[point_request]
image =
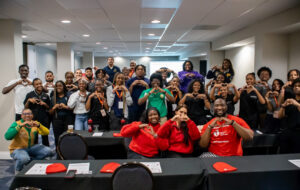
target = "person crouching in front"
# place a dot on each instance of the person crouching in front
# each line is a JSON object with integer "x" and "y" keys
{"x": 23, "y": 133}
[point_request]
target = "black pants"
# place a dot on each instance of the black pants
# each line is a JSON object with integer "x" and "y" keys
{"x": 289, "y": 141}
{"x": 171, "y": 154}
{"x": 59, "y": 127}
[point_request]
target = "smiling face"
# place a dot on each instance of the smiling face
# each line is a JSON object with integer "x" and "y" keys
{"x": 140, "y": 71}
{"x": 59, "y": 88}
{"x": 110, "y": 61}
{"x": 175, "y": 82}
{"x": 38, "y": 86}
{"x": 49, "y": 77}
{"x": 155, "y": 83}
{"x": 196, "y": 87}
{"x": 120, "y": 79}
{"x": 226, "y": 64}
{"x": 27, "y": 115}
{"x": 220, "y": 79}
{"x": 181, "y": 112}
{"x": 293, "y": 76}
{"x": 99, "y": 86}
{"x": 153, "y": 117}
{"x": 250, "y": 80}
{"x": 276, "y": 86}
{"x": 220, "y": 107}
{"x": 82, "y": 85}
{"x": 24, "y": 71}
{"x": 188, "y": 66}
{"x": 78, "y": 73}
{"x": 264, "y": 76}
{"x": 69, "y": 78}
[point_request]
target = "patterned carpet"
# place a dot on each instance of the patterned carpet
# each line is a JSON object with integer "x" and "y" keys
{"x": 7, "y": 168}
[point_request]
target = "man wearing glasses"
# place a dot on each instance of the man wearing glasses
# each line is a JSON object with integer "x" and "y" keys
{"x": 23, "y": 133}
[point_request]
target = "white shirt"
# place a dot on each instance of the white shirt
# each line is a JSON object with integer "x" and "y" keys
{"x": 50, "y": 89}
{"x": 77, "y": 102}
{"x": 20, "y": 91}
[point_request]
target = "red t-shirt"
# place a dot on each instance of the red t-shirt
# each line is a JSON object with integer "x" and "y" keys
{"x": 142, "y": 141}
{"x": 224, "y": 140}
{"x": 170, "y": 131}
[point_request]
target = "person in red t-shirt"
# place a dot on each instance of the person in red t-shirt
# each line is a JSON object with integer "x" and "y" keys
{"x": 145, "y": 142}
{"x": 181, "y": 132}
{"x": 224, "y": 133}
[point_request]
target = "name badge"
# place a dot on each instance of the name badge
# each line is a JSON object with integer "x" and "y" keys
{"x": 174, "y": 106}
{"x": 276, "y": 114}
{"x": 103, "y": 112}
{"x": 120, "y": 105}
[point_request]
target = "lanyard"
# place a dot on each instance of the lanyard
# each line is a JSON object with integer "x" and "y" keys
{"x": 174, "y": 96}
{"x": 131, "y": 73}
{"x": 119, "y": 94}
{"x": 276, "y": 101}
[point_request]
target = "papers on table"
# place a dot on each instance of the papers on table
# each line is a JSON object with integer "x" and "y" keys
{"x": 153, "y": 166}
{"x": 38, "y": 169}
{"x": 98, "y": 134}
{"x": 295, "y": 162}
{"x": 81, "y": 168}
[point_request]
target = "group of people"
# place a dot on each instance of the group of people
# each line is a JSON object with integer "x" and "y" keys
{"x": 159, "y": 115}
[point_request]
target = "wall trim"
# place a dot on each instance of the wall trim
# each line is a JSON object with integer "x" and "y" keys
{"x": 5, "y": 155}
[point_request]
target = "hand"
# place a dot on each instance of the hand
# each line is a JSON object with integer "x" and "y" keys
{"x": 161, "y": 90}
{"x": 230, "y": 85}
{"x": 63, "y": 106}
{"x": 35, "y": 124}
{"x": 189, "y": 95}
{"x": 192, "y": 75}
{"x": 26, "y": 82}
{"x": 116, "y": 88}
{"x": 251, "y": 88}
{"x": 292, "y": 102}
{"x": 288, "y": 83}
{"x": 56, "y": 106}
{"x": 136, "y": 82}
{"x": 184, "y": 118}
{"x": 227, "y": 121}
{"x": 34, "y": 100}
{"x": 152, "y": 91}
{"x": 123, "y": 87}
{"x": 214, "y": 67}
{"x": 175, "y": 118}
{"x": 42, "y": 103}
{"x": 218, "y": 85}
{"x": 201, "y": 96}
{"x": 143, "y": 125}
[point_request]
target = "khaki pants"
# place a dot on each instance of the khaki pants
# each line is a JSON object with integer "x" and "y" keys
{"x": 163, "y": 120}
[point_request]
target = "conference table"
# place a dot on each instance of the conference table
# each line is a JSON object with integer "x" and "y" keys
{"x": 105, "y": 146}
{"x": 265, "y": 172}
{"x": 176, "y": 174}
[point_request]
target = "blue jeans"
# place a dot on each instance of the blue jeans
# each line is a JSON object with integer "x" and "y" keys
{"x": 81, "y": 122}
{"x": 36, "y": 152}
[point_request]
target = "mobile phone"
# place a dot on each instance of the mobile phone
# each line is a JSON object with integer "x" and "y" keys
{"x": 70, "y": 174}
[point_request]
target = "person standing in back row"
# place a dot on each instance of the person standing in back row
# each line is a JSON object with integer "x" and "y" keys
{"x": 110, "y": 69}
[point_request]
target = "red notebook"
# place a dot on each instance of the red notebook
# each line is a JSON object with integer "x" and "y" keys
{"x": 117, "y": 135}
{"x": 55, "y": 168}
{"x": 223, "y": 167}
{"x": 110, "y": 167}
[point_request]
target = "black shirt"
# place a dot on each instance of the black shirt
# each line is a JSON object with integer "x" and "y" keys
{"x": 95, "y": 112}
{"x": 293, "y": 116}
{"x": 40, "y": 113}
{"x": 61, "y": 113}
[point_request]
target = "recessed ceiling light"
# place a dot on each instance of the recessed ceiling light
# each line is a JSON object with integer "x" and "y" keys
{"x": 147, "y": 48}
{"x": 155, "y": 21}
{"x": 86, "y": 35}
{"x": 151, "y": 34}
{"x": 105, "y": 48}
{"x": 78, "y": 52}
{"x": 98, "y": 43}
{"x": 110, "y": 51}
{"x": 48, "y": 44}
{"x": 66, "y": 21}
{"x": 24, "y": 36}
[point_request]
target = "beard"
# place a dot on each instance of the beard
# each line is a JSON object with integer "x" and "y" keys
{"x": 220, "y": 115}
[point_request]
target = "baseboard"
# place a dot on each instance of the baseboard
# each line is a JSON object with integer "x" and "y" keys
{"x": 4, "y": 155}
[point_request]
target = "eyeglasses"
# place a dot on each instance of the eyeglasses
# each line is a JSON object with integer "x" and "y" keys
{"x": 26, "y": 114}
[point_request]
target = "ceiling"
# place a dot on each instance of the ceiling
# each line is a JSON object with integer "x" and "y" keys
{"x": 122, "y": 26}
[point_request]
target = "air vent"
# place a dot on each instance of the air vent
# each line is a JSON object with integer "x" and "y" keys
{"x": 206, "y": 27}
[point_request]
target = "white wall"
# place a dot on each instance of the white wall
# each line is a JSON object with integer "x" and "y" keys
{"x": 294, "y": 51}
{"x": 273, "y": 53}
{"x": 242, "y": 59}
{"x": 45, "y": 60}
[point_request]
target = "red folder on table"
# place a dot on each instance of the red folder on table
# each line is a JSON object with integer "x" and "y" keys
{"x": 55, "y": 168}
{"x": 223, "y": 167}
{"x": 110, "y": 167}
{"x": 117, "y": 135}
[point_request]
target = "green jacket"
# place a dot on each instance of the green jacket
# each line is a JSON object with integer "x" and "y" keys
{"x": 23, "y": 137}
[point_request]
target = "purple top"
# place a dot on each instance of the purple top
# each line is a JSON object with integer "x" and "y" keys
{"x": 185, "y": 80}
